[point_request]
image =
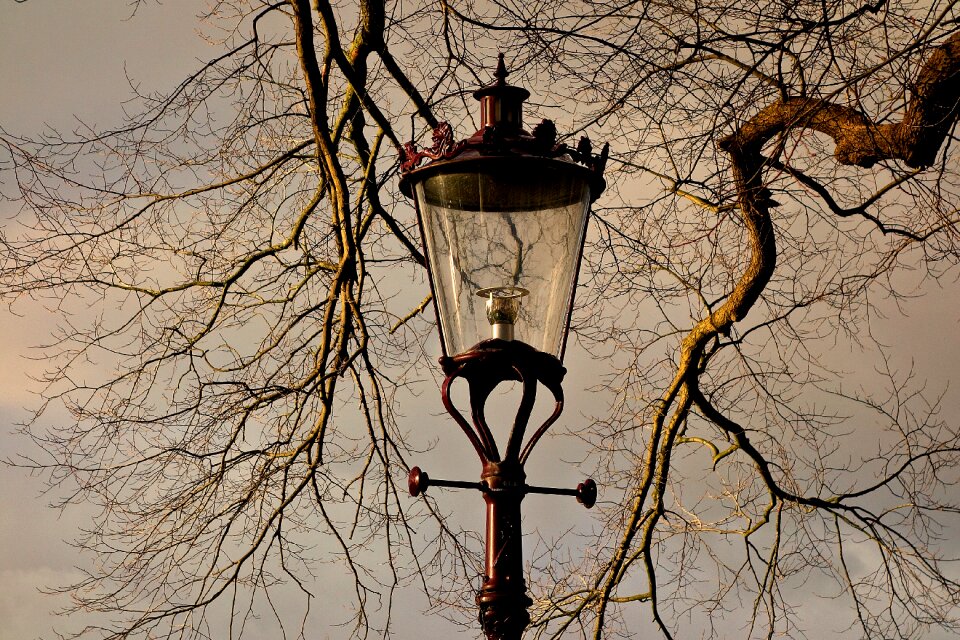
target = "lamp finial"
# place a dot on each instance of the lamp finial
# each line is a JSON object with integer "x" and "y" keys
{"x": 501, "y": 105}
{"x": 501, "y": 72}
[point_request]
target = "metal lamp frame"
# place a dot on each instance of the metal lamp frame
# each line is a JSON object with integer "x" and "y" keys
{"x": 502, "y": 599}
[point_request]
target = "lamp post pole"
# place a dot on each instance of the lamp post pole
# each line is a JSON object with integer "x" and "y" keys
{"x": 503, "y": 216}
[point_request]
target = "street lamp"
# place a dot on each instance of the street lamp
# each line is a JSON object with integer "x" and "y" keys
{"x": 503, "y": 216}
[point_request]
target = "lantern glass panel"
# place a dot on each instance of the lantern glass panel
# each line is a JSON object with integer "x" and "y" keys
{"x": 504, "y": 227}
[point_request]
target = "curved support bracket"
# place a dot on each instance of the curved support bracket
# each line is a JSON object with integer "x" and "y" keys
{"x": 484, "y": 367}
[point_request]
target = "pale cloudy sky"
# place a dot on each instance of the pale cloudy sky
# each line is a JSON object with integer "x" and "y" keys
{"x": 59, "y": 61}
{"x": 67, "y": 60}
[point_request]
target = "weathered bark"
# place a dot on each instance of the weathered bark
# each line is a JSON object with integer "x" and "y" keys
{"x": 916, "y": 139}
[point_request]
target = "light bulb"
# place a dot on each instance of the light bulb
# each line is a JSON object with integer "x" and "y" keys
{"x": 503, "y": 309}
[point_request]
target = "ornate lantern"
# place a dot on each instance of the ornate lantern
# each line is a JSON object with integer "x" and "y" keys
{"x": 503, "y": 216}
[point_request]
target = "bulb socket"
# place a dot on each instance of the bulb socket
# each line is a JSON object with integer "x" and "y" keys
{"x": 503, "y": 309}
{"x": 502, "y": 331}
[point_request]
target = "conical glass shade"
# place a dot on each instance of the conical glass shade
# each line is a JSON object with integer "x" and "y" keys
{"x": 503, "y": 237}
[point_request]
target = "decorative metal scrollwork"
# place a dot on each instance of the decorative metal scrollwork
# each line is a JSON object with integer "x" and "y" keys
{"x": 498, "y": 140}
{"x": 443, "y": 148}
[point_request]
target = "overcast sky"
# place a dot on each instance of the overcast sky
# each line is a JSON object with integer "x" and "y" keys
{"x": 69, "y": 60}
{"x": 60, "y": 62}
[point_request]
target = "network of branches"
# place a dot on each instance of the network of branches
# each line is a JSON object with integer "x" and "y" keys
{"x": 247, "y": 338}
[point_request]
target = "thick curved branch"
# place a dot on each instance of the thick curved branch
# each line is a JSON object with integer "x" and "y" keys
{"x": 916, "y": 139}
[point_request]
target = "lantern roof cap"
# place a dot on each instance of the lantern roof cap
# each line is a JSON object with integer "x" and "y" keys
{"x": 500, "y": 82}
{"x": 501, "y": 137}
{"x": 501, "y": 104}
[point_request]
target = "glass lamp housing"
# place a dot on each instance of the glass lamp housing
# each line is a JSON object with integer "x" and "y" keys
{"x": 503, "y": 237}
